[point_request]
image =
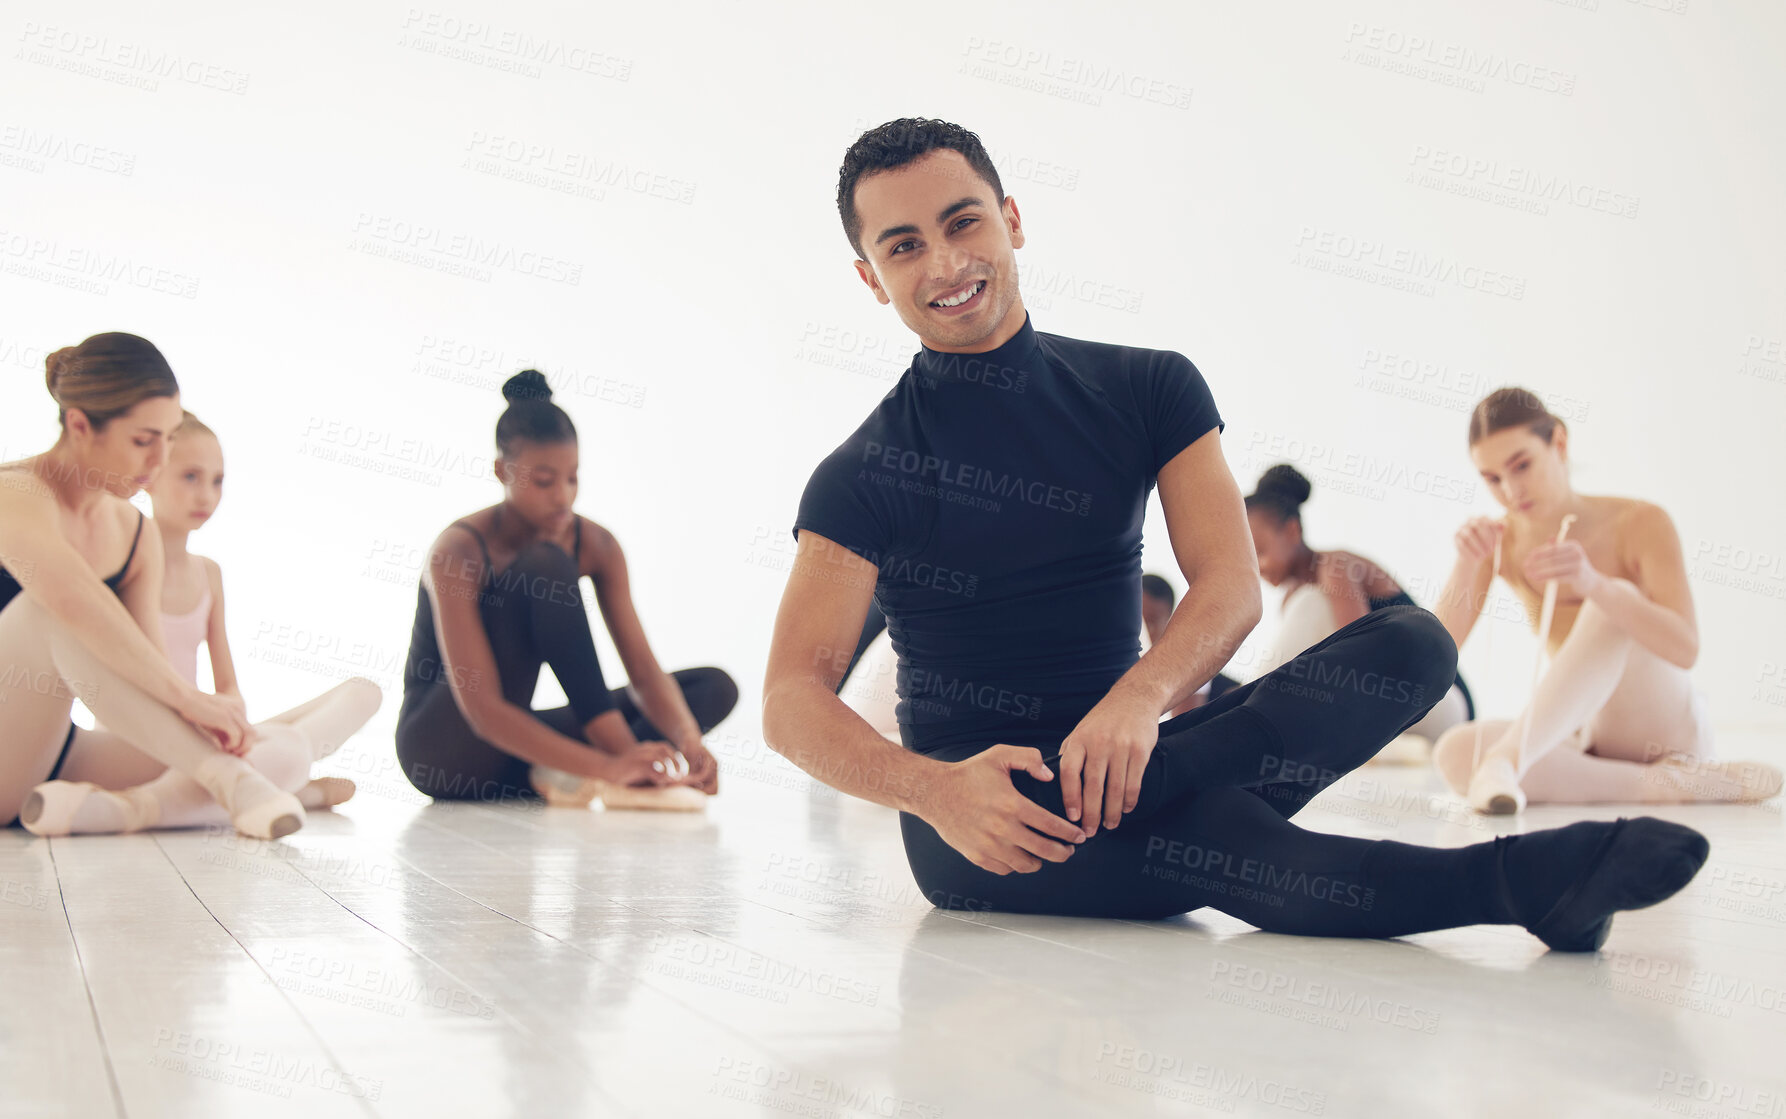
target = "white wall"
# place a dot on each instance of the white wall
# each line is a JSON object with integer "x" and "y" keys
{"x": 702, "y": 324}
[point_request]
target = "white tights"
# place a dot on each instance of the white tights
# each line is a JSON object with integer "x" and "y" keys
{"x": 44, "y": 666}
{"x": 289, "y": 743}
{"x": 1605, "y": 712}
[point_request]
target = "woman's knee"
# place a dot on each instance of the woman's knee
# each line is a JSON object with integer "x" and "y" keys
{"x": 1593, "y": 618}
{"x": 711, "y": 694}
{"x": 364, "y": 696}
{"x": 544, "y": 573}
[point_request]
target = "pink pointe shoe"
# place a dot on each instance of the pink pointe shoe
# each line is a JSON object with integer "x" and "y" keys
{"x": 51, "y": 809}
{"x": 1494, "y": 790}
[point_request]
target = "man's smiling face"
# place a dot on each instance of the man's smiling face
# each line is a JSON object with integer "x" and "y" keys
{"x": 942, "y": 251}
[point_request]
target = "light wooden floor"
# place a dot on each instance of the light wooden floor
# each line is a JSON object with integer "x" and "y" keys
{"x": 772, "y": 957}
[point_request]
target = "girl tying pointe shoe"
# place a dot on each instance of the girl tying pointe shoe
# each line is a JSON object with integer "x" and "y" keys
{"x": 499, "y": 598}
{"x": 66, "y": 630}
{"x": 1615, "y": 717}
{"x": 185, "y": 492}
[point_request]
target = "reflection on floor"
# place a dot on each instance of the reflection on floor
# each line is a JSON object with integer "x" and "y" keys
{"x": 772, "y": 957}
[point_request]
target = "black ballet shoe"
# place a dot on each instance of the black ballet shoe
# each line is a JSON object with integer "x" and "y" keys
{"x": 1639, "y": 863}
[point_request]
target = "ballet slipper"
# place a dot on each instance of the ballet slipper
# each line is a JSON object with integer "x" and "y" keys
{"x": 1494, "y": 789}
{"x": 668, "y": 798}
{"x": 324, "y": 793}
{"x": 51, "y": 809}
{"x": 256, "y": 807}
{"x": 564, "y": 790}
{"x": 1728, "y": 782}
{"x": 1639, "y": 863}
{"x": 1403, "y": 749}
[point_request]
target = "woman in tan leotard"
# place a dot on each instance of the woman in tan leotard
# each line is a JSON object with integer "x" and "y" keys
{"x": 1616, "y": 693}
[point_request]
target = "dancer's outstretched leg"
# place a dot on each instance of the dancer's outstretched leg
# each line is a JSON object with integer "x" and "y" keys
{"x": 1229, "y": 850}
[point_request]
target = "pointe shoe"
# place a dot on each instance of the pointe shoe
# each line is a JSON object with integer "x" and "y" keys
{"x": 670, "y": 798}
{"x": 257, "y": 808}
{"x": 564, "y": 790}
{"x": 324, "y": 793}
{"x": 1729, "y": 782}
{"x": 1494, "y": 790}
{"x": 1639, "y": 863}
{"x": 51, "y": 808}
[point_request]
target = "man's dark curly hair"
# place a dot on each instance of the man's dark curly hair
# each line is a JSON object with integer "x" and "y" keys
{"x": 895, "y": 144}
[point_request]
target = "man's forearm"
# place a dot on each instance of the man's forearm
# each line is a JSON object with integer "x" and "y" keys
{"x": 1211, "y": 621}
{"x": 810, "y": 726}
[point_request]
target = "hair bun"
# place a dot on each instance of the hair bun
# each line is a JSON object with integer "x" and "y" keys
{"x": 55, "y": 366}
{"x": 1287, "y": 481}
{"x": 529, "y": 384}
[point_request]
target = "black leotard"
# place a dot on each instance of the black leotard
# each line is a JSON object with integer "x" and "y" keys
{"x": 533, "y": 614}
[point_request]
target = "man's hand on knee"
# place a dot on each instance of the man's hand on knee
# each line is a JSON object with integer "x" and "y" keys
{"x": 979, "y": 812}
{"x": 1102, "y": 761}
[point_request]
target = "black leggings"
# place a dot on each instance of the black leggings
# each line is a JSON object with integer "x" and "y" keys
{"x": 1212, "y": 826}
{"x": 443, "y": 757}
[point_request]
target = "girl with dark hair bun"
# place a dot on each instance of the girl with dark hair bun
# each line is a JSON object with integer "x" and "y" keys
{"x": 500, "y": 598}
{"x": 1325, "y": 591}
{"x": 65, "y": 631}
{"x": 1615, "y": 717}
